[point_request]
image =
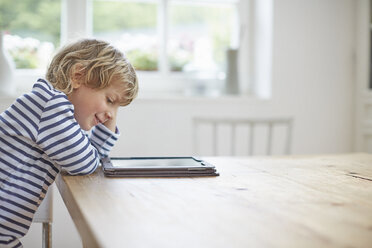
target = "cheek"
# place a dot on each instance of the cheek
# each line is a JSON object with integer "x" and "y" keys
{"x": 81, "y": 114}
{"x": 97, "y": 105}
{"x": 86, "y": 109}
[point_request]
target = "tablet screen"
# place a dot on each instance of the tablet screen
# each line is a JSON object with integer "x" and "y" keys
{"x": 155, "y": 163}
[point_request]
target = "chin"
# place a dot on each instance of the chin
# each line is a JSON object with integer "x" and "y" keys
{"x": 86, "y": 128}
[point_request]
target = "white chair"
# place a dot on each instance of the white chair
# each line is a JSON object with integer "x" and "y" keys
{"x": 241, "y": 136}
{"x": 44, "y": 215}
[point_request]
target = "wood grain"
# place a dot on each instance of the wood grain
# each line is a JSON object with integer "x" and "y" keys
{"x": 296, "y": 201}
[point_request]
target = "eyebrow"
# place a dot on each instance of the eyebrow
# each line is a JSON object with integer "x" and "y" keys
{"x": 120, "y": 98}
{"x": 117, "y": 97}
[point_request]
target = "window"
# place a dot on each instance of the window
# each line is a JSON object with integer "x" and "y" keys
{"x": 199, "y": 33}
{"x": 182, "y": 43}
{"x": 175, "y": 45}
{"x": 130, "y": 26}
{"x": 31, "y": 30}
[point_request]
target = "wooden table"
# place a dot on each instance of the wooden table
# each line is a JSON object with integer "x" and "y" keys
{"x": 297, "y": 201}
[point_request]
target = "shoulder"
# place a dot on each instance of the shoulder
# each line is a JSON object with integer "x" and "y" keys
{"x": 43, "y": 97}
{"x": 46, "y": 89}
{"x": 44, "y": 94}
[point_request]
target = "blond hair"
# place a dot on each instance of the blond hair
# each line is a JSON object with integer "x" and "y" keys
{"x": 100, "y": 63}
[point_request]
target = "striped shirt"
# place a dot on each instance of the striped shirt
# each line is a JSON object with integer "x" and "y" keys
{"x": 39, "y": 136}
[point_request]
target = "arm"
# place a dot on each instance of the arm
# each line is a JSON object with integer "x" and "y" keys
{"x": 103, "y": 139}
{"x": 62, "y": 139}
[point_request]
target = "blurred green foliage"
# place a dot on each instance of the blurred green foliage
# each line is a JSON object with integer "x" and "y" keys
{"x": 217, "y": 20}
{"x": 115, "y": 15}
{"x": 143, "y": 60}
{"x": 25, "y": 58}
{"x": 41, "y": 19}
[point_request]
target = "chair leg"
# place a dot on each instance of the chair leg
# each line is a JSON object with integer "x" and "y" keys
{"x": 47, "y": 235}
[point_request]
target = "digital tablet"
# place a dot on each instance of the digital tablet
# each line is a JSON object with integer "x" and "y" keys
{"x": 156, "y": 167}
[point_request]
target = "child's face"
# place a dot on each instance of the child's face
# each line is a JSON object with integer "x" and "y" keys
{"x": 92, "y": 106}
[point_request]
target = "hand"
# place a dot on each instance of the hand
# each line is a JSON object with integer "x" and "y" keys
{"x": 111, "y": 122}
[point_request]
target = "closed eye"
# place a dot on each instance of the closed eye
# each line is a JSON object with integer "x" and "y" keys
{"x": 109, "y": 100}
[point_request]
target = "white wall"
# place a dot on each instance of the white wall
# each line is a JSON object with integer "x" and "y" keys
{"x": 313, "y": 71}
{"x": 313, "y": 81}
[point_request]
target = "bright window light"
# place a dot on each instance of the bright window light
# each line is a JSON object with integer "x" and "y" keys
{"x": 32, "y": 31}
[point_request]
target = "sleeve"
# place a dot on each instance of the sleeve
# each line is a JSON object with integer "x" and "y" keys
{"x": 62, "y": 139}
{"x": 103, "y": 139}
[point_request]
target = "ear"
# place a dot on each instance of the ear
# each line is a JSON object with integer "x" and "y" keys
{"x": 77, "y": 75}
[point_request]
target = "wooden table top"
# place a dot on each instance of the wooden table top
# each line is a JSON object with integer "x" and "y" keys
{"x": 294, "y": 201}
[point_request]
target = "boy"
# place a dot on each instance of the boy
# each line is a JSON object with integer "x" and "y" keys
{"x": 42, "y": 132}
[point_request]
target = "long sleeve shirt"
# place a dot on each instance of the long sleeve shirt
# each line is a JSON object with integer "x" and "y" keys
{"x": 39, "y": 136}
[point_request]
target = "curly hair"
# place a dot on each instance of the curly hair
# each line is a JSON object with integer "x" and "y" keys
{"x": 100, "y": 63}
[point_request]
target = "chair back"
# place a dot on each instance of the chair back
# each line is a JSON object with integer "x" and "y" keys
{"x": 242, "y": 136}
{"x": 44, "y": 215}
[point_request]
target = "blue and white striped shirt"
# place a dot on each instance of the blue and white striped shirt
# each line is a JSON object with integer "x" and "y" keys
{"x": 39, "y": 136}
